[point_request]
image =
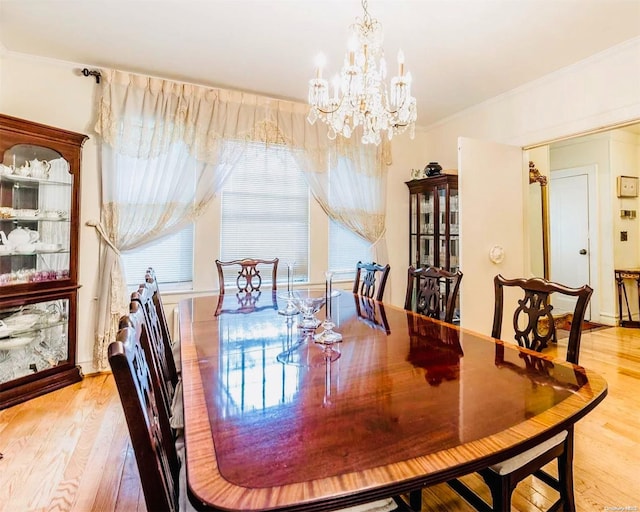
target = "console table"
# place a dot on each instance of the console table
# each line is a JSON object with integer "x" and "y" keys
{"x": 621, "y": 275}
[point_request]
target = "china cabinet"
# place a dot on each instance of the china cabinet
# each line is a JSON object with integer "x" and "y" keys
{"x": 434, "y": 222}
{"x": 39, "y": 209}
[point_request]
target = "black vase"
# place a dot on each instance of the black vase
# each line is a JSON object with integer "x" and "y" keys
{"x": 433, "y": 169}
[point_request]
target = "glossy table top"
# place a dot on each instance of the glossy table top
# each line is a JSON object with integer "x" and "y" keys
{"x": 271, "y": 422}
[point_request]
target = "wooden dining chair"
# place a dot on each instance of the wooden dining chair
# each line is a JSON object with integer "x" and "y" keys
{"x": 502, "y": 478}
{"x": 371, "y": 279}
{"x": 534, "y": 307}
{"x": 157, "y": 456}
{"x": 433, "y": 292}
{"x": 142, "y": 310}
{"x": 170, "y": 344}
{"x": 248, "y": 278}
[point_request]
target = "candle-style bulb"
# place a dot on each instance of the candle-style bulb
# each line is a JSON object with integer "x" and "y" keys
{"x": 321, "y": 60}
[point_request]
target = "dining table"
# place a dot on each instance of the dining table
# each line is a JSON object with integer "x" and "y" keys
{"x": 275, "y": 420}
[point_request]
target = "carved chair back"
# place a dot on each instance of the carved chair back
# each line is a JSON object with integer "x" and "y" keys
{"x": 371, "y": 279}
{"x": 152, "y": 282}
{"x": 248, "y": 278}
{"x": 433, "y": 292}
{"x": 157, "y": 347}
{"x": 534, "y": 306}
{"x": 149, "y": 429}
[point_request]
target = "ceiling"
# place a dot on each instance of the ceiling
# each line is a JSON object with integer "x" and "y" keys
{"x": 460, "y": 52}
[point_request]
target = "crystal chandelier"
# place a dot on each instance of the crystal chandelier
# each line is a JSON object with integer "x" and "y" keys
{"x": 360, "y": 95}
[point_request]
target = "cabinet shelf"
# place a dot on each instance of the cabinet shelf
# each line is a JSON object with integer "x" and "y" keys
{"x": 39, "y": 286}
{"x": 27, "y": 181}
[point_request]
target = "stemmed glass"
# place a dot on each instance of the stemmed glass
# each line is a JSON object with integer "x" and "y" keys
{"x": 329, "y": 337}
{"x": 290, "y": 309}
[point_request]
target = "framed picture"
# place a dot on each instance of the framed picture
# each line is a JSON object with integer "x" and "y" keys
{"x": 627, "y": 186}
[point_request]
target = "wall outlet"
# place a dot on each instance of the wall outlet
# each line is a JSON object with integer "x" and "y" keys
{"x": 623, "y": 236}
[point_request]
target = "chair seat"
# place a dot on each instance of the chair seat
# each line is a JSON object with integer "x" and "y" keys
{"x": 177, "y": 408}
{"x": 175, "y": 351}
{"x": 184, "y": 505}
{"x": 510, "y": 465}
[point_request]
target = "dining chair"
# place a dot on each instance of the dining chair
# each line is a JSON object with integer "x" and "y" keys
{"x": 170, "y": 344}
{"x": 502, "y": 478}
{"x": 433, "y": 292}
{"x": 142, "y": 310}
{"x": 371, "y": 279}
{"x": 158, "y": 456}
{"x": 248, "y": 278}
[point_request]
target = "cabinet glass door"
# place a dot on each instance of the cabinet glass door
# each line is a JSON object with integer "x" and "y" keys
{"x": 427, "y": 251}
{"x": 454, "y": 212}
{"x": 427, "y": 212}
{"x": 35, "y": 208}
{"x": 33, "y": 338}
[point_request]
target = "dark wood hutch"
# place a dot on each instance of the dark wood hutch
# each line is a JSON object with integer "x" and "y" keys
{"x": 39, "y": 221}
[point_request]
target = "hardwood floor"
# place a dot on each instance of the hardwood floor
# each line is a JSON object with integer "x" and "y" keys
{"x": 69, "y": 450}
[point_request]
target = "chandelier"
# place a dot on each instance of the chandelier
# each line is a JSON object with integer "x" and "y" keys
{"x": 360, "y": 94}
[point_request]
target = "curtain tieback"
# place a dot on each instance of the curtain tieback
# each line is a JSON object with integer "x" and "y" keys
{"x": 384, "y": 232}
{"x": 103, "y": 234}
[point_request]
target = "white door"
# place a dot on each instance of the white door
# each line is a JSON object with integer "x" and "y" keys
{"x": 569, "y": 219}
{"x": 491, "y": 190}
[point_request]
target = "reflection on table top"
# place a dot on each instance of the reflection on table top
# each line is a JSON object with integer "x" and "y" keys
{"x": 409, "y": 398}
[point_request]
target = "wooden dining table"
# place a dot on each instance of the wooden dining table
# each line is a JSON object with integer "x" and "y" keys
{"x": 276, "y": 421}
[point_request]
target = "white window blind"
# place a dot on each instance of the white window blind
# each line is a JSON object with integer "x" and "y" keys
{"x": 171, "y": 257}
{"x": 265, "y": 212}
{"x": 345, "y": 250}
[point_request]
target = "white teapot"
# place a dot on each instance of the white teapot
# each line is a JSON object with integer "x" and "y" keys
{"x": 39, "y": 168}
{"x": 21, "y": 239}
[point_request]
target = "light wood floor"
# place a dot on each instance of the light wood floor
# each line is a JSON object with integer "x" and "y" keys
{"x": 69, "y": 450}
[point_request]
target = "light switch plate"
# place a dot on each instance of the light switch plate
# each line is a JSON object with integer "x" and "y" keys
{"x": 627, "y": 186}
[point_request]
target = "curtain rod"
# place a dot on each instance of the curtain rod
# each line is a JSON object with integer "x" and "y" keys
{"x": 94, "y": 73}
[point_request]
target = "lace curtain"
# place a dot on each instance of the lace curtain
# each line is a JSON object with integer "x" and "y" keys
{"x": 351, "y": 186}
{"x": 167, "y": 148}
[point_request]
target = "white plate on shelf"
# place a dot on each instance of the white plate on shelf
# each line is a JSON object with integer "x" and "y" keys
{"x": 17, "y": 342}
{"x": 41, "y": 246}
{"x": 21, "y": 321}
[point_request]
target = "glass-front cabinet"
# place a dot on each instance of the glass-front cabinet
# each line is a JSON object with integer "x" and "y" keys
{"x": 39, "y": 208}
{"x": 434, "y": 222}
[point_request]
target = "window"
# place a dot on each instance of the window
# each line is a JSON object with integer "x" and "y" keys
{"x": 265, "y": 211}
{"x": 171, "y": 257}
{"x": 345, "y": 250}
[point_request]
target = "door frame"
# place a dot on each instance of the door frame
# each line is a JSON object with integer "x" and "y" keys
{"x": 591, "y": 171}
